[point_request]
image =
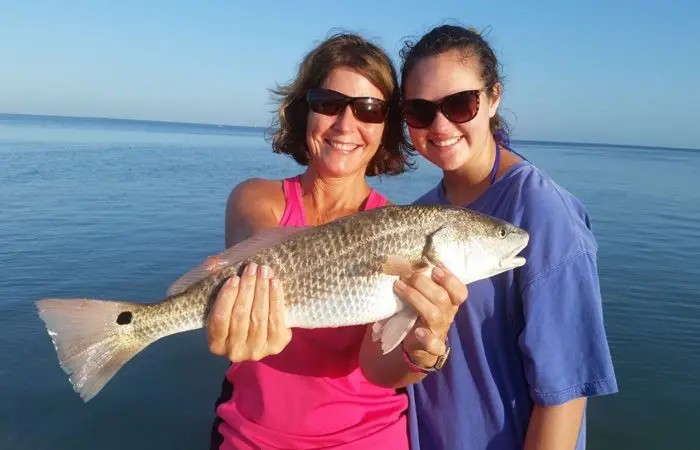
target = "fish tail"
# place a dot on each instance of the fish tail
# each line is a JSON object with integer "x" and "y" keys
{"x": 93, "y": 338}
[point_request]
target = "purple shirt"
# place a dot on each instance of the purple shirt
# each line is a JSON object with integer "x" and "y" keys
{"x": 531, "y": 335}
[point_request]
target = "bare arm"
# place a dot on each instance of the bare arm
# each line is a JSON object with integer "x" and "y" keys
{"x": 555, "y": 427}
{"x": 246, "y": 321}
{"x": 248, "y": 212}
{"x": 436, "y": 299}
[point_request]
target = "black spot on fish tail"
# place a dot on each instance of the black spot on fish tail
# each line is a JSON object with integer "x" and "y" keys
{"x": 125, "y": 318}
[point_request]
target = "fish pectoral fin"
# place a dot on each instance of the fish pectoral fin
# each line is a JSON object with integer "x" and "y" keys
{"x": 393, "y": 330}
{"x": 377, "y": 329}
{"x": 399, "y": 266}
{"x": 232, "y": 255}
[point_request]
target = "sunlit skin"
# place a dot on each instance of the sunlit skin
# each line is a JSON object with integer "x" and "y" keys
{"x": 247, "y": 319}
{"x": 342, "y": 145}
{"x": 451, "y": 146}
{"x": 466, "y": 154}
{"x": 464, "y": 151}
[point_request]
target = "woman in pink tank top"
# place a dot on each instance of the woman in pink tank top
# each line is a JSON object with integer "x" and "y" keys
{"x": 321, "y": 388}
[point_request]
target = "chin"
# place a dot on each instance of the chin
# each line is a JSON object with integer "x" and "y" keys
{"x": 344, "y": 165}
{"x": 444, "y": 162}
{"x": 336, "y": 170}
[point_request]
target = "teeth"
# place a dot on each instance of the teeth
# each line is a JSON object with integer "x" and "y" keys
{"x": 343, "y": 146}
{"x": 446, "y": 142}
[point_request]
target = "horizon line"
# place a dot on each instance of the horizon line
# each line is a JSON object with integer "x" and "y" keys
{"x": 262, "y": 128}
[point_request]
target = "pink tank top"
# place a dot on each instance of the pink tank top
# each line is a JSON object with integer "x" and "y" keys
{"x": 313, "y": 394}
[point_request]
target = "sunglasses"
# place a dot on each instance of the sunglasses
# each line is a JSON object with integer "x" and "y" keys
{"x": 331, "y": 103}
{"x": 458, "y": 108}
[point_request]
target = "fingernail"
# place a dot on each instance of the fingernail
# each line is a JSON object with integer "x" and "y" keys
{"x": 251, "y": 269}
{"x": 421, "y": 333}
{"x": 399, "y": 284}
{"x": 265, "y": 272}
{"x": 233, "y": 281}
{"x": 438, "y": 272}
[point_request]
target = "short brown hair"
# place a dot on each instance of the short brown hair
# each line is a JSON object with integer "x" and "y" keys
{"x": 354, "y": 52}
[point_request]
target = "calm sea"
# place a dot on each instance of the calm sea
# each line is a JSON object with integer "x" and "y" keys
{"x": 120, "y": 209}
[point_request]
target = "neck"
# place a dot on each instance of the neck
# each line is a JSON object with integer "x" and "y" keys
{"x": 466, "y": 183}
{"x": 327, "y": 198}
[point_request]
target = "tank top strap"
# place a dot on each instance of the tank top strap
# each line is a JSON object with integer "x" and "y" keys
{"x": 375, "y": 200}
{"x": 293, "y": 215}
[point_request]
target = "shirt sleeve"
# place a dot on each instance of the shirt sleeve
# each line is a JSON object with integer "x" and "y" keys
{"x": 564, "y": 344}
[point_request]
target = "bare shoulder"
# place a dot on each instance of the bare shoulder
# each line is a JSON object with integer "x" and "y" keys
{"x": 254, "y": 190}
{"x": 252, "y": 205}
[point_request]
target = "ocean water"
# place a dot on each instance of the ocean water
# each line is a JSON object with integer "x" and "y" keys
{"x": 120, "y": 209}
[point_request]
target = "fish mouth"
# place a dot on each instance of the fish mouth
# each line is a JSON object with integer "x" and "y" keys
{"x": 513, "y": 260}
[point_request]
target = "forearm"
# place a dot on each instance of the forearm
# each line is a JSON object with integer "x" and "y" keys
{"x": 435, "y": 300}
{"x": 390, "y": 370}
{"x": 555, "y": 427}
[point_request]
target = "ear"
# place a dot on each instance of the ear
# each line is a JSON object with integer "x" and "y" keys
{"x": 495, "y": 99}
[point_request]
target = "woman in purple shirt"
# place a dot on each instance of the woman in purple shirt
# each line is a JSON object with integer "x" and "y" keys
{"x": 529, "y": 346}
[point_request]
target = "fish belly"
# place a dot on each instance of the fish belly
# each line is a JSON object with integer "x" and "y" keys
{"x": 362, "y": 302}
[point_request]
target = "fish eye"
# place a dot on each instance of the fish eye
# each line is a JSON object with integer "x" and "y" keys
{"x": 502, "y": 233}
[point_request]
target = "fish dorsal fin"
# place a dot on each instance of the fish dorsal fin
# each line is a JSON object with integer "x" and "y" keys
{"x": 232, "y": 255}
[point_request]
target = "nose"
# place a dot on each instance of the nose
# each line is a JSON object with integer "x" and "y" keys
{"x": 345, "y": 120}
{"x": 441, "y": 124}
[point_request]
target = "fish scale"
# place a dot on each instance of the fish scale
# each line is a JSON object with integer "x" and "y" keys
{"x": 337, "y": 274}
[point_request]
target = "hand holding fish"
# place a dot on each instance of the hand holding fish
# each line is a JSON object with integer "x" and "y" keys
{"x": 246, "y": 322}
{"x": 337, "y": 274}
{"x": 436, "y": 299}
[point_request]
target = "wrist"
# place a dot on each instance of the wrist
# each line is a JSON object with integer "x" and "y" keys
{"x": 424, "y": 362}
{"x": 422, "y": 358}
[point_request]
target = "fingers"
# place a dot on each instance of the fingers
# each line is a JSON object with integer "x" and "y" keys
{"x": 435, "y": 298}
{"x": 428, "y": 298}
{"x": 240, "y": 315}
{"x": 278, "y": 334}
{"x": 260, "y": 310}
{"x": 456, "y": 290}
{"x": 430, "y": 343}
{"x": 415, "y": 291}
{"x": 445, "y": 287}
{"x": 424, "y": 347}
{"x": 247, "y": 321}
{"x": 220, "y": 316}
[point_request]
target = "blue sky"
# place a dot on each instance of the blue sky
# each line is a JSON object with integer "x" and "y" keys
{"x": 623, "y": 72}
